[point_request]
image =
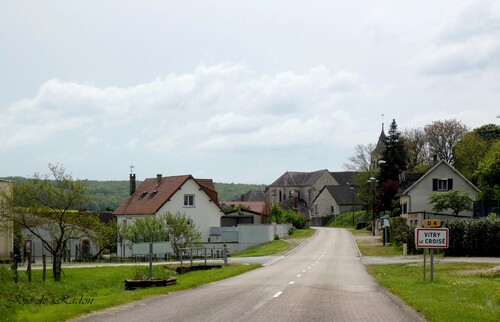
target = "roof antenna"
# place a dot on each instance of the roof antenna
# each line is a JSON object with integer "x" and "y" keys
{"x": 131, "y": 168}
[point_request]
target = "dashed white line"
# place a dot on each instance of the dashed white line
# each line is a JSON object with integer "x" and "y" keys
{"x": 278, "y": 294}
{"x": 299, "y": 275}
{"x": 291, "y": 282}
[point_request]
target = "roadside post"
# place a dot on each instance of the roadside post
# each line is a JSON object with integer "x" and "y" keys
{"x": 430, "y": 237}
{"x": 385, "y": 224}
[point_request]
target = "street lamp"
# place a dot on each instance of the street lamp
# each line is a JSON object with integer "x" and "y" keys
{"x": 373, "y": 181}
{"x": 352, "y": 188}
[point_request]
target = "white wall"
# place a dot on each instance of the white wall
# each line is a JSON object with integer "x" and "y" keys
{"x": 205, "y": 213}
{"x": 420, "y": 193}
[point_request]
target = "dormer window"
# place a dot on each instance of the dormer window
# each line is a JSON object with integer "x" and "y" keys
{"x": 143, "y": 195}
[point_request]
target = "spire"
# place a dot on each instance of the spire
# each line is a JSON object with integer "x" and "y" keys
{"x": 382, "y": 133}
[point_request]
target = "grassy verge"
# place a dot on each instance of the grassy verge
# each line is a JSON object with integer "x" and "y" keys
{"x": 459, "y": 292}
{"x": 277, "y": 246}
{"x": 84, "y": 290}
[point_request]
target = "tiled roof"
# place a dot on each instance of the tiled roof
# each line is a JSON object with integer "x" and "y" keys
{"x": 253, "y": 195}
{"x": 343, "y": 195}
{"x": 298, "y": 179}
{"x": 152, "y": 194}
{"x": 345, "y": 177}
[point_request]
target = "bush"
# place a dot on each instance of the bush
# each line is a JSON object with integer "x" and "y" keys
{"x": 473, "y": 237}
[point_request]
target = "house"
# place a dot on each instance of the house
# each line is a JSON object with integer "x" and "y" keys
{"x": 6, "y": 226}
{"x": 301, "y": 192}
{"x": 416, "y": 189}
{"x": 254, "y": 209}
{"x": 197, "y": 198}
{"x": 80, "y": 247}
{"x": 334, "y": 200}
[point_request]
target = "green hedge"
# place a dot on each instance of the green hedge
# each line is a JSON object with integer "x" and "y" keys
{"x": 474, "y": 237}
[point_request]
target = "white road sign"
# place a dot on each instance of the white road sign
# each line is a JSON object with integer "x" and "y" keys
{"x": 431, "y": 237}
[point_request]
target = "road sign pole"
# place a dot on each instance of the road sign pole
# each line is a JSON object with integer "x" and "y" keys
{"x": 432, "y": 264}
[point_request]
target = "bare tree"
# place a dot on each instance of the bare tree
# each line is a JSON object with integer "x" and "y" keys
{"x": 362, "y": 158}
{"x": 47, "y": 206}
{"x": 442, "y": 137}
{"x": 417, "y": 148}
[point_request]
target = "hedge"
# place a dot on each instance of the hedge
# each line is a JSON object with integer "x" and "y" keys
{"x": 473, "y": 237}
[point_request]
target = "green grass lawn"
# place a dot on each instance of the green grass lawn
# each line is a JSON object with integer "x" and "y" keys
{"x": 277, "y": 246}
{"x": 83, "y": 290}
{"x": 459, "y": 292}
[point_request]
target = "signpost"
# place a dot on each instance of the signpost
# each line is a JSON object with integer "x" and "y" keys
{"x": 431, "y": 238}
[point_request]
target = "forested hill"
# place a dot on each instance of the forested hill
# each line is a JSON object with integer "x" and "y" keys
{"x": 108, "y": 195}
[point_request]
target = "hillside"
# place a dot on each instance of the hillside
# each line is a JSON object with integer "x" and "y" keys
{"x": 108, "y": 195}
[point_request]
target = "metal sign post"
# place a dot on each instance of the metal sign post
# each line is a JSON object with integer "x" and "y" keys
{"x": 431, "y": 238}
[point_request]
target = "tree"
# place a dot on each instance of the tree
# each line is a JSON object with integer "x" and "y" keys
{"x": 394, "y": 155}
{"x": 417, "y": 148}
{"x": 47, "y": 206}
{"x": 453, "y": 199}
{"x": 487, "y": 174}
{"x": 362, "y": 158}
{"x": 469, "y": 151}
{"x": 393, "y": 163}
{"x": 442, "y": 137}
{"x": 178, "y": 229}
{"x": 489, "y": 132}
{"x": 182, "y": 232}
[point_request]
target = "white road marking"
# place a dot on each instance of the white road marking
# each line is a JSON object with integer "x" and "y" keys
{"x": 291, "y": 282}
{"x": 299, "y": 275}
{"x": 278, "y": 294}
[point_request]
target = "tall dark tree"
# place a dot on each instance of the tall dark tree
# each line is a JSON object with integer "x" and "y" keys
{"x": 393, "y": 163}
{"x": 394, "y": 155}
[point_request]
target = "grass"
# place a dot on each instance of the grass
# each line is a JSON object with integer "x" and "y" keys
{"x": 459, "y": 292}
{"x": 84, "y": 290}
{"x": 277, "y": 246}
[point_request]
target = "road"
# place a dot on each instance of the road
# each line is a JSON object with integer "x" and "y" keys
{"x": 324, "y": 280}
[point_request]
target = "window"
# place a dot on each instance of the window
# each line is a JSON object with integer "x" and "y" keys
{"x": 442, "y": 184}
{"x": 152, "y": 194}
{"x": 188, "y": 200}
{"x": 143, "y": 195}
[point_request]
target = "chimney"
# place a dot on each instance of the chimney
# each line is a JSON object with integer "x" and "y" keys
{"x": 158, "y": 178}
{"x": 435, "y": 158}
{"x": 132, "y": 183}
{"x": 242, "y": 198}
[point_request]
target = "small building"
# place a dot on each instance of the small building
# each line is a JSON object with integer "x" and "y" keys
{"x": 6, "y": 226}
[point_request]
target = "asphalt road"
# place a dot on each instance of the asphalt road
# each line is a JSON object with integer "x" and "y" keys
{"x": 324, "y": 280}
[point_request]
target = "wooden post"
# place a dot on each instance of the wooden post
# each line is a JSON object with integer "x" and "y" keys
{"x": 13, "y": 266}
{"x": 28, "y": 271}
{"x": 44, "y": 272}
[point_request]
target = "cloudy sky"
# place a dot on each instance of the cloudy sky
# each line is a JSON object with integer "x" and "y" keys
{"x": 236, "y": 91}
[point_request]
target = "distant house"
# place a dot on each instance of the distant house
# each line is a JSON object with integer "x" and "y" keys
{"x": 416, "y": 189}
{"x": 254, "y": 209}
{"x": 312, "y": 194}
{"x": 334, "y": 200}
{"x": 6, "y": 227}
{"x": 197, "y": 198}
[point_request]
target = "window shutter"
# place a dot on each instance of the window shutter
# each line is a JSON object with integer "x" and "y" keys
{"x": 434, "y": 184}
{"x": 450, "y": 183}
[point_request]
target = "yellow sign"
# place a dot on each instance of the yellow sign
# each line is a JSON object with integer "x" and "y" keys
{"x": 432, "y": 223}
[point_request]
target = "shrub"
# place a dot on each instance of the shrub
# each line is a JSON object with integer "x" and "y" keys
{"x": 473, "y": 237}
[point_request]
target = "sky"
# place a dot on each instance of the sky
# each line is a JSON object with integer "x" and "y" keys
{"x": 235, "y": 91}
